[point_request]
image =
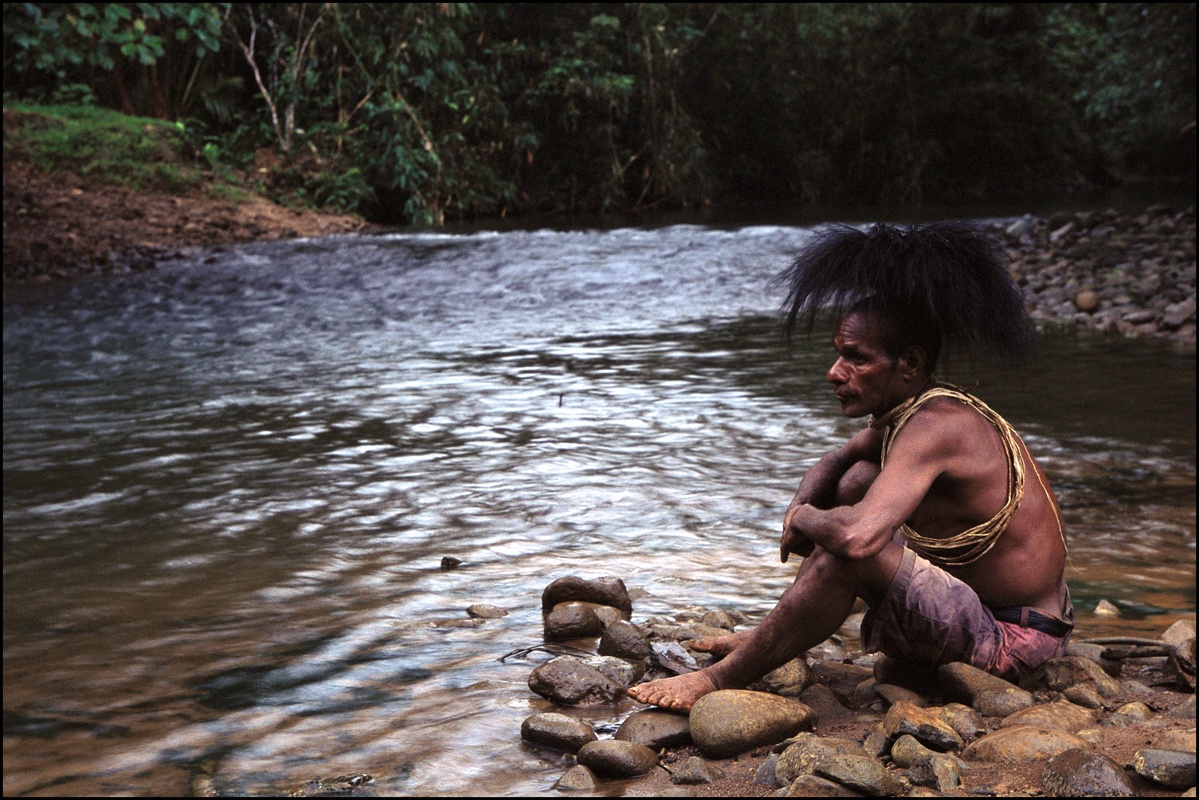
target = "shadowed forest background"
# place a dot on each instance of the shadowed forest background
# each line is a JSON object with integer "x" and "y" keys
{"x": 423, "y": 113}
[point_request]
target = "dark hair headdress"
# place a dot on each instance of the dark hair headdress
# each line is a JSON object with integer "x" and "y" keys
{"x": 950, "y": 274}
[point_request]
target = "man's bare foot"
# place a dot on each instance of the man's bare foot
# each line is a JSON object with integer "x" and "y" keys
{"x": 720, "y": 645}
{"x": 675, "y": 694}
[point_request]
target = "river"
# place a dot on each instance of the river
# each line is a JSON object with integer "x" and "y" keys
{"x": 229, "y": 484}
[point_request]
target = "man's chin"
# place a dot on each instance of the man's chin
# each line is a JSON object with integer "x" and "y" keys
{"x": 852, "y": 410}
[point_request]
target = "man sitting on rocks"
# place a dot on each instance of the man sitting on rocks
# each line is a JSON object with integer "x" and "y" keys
{"x": 936, "y": 514}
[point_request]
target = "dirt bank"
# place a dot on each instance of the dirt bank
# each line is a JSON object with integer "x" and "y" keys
{"x": 60, "y": 226}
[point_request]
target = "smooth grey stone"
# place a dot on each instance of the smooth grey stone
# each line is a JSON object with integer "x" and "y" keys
{"x": 626, "y": 673}
{"x": 696, "y": 770}
{"x": 964, "y": 682}
{"x": 557, "y": 730}
{"x": 1085, "y": 773}
{"x": 1084, "y": 696}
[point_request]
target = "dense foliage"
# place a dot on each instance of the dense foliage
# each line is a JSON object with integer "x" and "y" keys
{"x": 419, "y": 112}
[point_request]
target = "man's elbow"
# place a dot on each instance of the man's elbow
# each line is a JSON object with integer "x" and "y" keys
{"x": 861, "y": 545}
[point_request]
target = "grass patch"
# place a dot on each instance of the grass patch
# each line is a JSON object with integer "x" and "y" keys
{"x": 101, "y": 145}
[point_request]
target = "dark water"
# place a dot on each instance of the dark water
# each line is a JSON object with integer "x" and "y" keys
{"x": 228, "y": 487}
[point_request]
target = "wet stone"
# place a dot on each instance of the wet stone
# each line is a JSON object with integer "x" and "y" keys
{"x": 571, "y": 621}
{"x": 1170, "y": 768}
{"x": 605, "y": 591}
{"x": 725, "y": 723}
{"x": 576, "y": 779}
{"x": 1085, "y": 773}
{"x": 615, "y": 759}
{"x": 696, "y": 770}
{"x": 625, "y": 673}
{"x": 822, "y": 701}
{"x": 558, "y": 731}
{"x": 624, "y": 640}
{"x": 1062, "y": 715}
{"x": 570, "y": 682}
{"x": 655, "y": 729}
{"x": 719, "y": 619}
{"x": 1084, "y": 696}
{"x": 924, "y": 725}
{"x": 1023, "y": 743}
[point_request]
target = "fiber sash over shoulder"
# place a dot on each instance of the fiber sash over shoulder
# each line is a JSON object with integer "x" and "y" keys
{"x": 969, "y": 545}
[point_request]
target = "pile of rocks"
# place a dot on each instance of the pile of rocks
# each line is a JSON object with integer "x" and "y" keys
{"x": 917, "y": 734}
{"x": 1131, "y": 275}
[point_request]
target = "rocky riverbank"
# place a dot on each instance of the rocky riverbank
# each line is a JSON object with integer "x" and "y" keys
{"x": 1120, "y": 274}
{"x": 1110, "y": 718}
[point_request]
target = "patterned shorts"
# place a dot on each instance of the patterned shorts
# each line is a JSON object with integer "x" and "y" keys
{"x": 930, "y": 616}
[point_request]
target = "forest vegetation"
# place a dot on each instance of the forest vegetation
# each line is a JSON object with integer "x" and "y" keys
{"x": 423, "y": 113}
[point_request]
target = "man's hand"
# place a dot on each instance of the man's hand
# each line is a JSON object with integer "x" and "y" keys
{"x": 793, "y": 540}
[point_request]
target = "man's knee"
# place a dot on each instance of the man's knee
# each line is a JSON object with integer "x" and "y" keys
{"x": 855, "y": 483}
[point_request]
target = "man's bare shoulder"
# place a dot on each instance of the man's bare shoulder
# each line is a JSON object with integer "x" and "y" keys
{"x": 945, "y": 426}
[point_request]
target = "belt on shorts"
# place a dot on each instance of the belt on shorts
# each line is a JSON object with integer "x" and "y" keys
{"x": 1027, "y": 617}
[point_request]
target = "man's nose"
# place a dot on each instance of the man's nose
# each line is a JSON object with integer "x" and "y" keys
{"x": 835, "y": 373}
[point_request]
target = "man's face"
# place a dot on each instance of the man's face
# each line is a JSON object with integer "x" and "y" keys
{"x": 865, "y": 378}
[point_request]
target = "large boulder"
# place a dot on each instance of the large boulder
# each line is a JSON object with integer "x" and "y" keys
{"x": 732, "y": 721}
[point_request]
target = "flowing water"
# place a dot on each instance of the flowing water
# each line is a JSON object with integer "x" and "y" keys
{"x": 229, "y": 485}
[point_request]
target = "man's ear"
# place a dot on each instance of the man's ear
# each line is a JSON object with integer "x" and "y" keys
{"x": 913, "y": 360}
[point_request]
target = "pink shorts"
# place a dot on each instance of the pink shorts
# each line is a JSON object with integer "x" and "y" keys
{"x": 930, "y": 616}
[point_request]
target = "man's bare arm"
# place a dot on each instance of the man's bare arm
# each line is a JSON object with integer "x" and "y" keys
{"x": 819, "y": 486}
{"x": 918, "y": 457}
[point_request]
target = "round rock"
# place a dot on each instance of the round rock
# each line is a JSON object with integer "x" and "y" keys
{"x": 1085, "y": 773}
{"x": 1002, "y": 703}
{"x": 732, "y": 721}
{"x": 802, "y": 756}
{"x": 571, "y": 621}
{"x": 624, "y": 640}
{"x": 570, "y": 682}
{"x": 484, "y": 611}
{"x": 928, "y": 729}
{"x": 696, "y": 770}
{"x": 557, "y": 730}
{"x": 861, "y": 773}
{"x": 576, "y": 779}
{"x": 605, "y": 591}
{"x": 615, "y": 759}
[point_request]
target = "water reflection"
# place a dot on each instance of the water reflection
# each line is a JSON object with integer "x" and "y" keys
{"x": 229, "y": 485}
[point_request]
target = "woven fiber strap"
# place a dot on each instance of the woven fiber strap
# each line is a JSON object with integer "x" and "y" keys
{"x": 969, "y": 545}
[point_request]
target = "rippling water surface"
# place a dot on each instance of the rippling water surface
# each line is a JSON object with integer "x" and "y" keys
{"x": 229, "y": 484}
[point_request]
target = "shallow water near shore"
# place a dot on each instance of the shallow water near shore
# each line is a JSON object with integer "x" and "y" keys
{"x": 228, "y": 487}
